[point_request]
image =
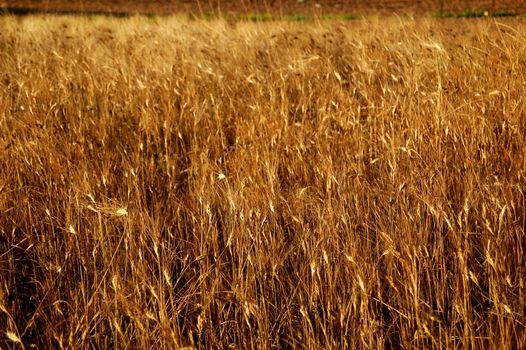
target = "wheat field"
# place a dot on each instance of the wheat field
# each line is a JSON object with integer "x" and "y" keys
{"x": 173, "y": 183}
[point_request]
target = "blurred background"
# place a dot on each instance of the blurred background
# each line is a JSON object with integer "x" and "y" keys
{"x": 283, "y": 7}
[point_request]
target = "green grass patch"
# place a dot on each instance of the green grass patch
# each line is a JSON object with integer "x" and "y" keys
{"x": 297, "y": 18}
{"x": 267, "y": 17}
{"x": 472, "y": 14}
{"x": 337, "y": 17}
{"x": 443, "y": 14}
{"x": 257, "y": 17}
{"x": 503, "y": 14}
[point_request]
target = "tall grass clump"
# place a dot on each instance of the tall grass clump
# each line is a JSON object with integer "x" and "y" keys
{"x": 222, "y": 184}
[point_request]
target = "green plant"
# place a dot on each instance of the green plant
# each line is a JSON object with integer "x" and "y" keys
{"x": 265, "y": 17}
{"x": 473, "y": 14}
{"x": 443, "y": 14}
{"x": 503, "y": 14}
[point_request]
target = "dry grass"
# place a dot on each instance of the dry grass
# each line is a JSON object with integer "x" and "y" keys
{"x": 172, "y": 183}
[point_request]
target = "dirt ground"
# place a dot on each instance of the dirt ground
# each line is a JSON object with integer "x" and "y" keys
{"x": 355, "y": 7}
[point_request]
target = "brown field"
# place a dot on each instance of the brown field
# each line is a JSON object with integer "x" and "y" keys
{"x": 231, "y": 185}
{"x": 356, "y": 7}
